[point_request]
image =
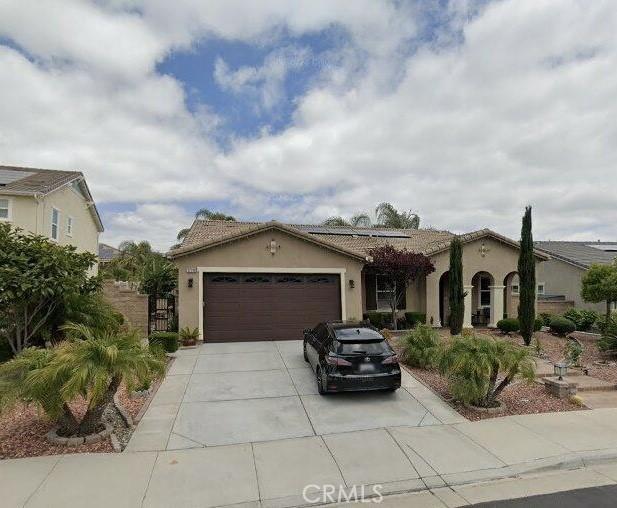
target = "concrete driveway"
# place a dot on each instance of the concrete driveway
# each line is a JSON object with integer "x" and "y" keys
{"x": 245, "y": 392}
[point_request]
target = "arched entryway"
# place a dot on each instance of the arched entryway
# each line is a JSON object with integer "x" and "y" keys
{"x": 444, "y": 298}
{"x": 510, "y": 295}
{"x": 482, "y": 297}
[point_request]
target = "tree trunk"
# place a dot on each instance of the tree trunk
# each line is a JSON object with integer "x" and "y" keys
{"x": 92, "y": 419}
{"x": 505, "y": 382}
{"x": 67, "y": 421}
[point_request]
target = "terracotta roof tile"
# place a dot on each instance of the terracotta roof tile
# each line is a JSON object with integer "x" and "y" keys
{"x": 36, "y": 180}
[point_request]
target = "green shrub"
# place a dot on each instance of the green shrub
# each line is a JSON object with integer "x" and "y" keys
{"x": 538, "y": 324}
{"x": 508, "y": 325}
{"x": 478, "y": 368}
{"x": 420, "y": 346}
{"x": 414, "y": 318}
{"x": 379, "y": 320}
{"x": 608, "y": 339}
{"x": 546, "y": 318}
{"x": 562, "y": 326}
{"x": 167, "y": 340}
{"x": 573, "y": 351}
{"x": 583, "y": 319}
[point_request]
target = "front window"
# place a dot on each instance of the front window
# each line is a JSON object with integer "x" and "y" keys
{"x": 485, "y": 292}
{"x": 55, "y": 220}
{"x": 515, "y": 289}
{"x": 540, "y": 288}
{"x": 5, "y": 209}
{"x": 384, "y": 292}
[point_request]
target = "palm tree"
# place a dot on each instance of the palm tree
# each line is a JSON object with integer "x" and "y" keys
{"x": 95, "y": 365}
{"x": 390, "y": 217}
{"x": 19, "y": 383}
{"x": 206, "y": 214}
{"x": 361, "y": 220}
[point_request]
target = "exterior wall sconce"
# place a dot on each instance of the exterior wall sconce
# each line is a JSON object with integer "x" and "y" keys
{"x": 352, "y": 283}
{"x": 560, "y": 369}
{"x": 190, "y": 282}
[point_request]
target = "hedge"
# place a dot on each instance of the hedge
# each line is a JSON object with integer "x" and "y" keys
{"x": 167, "y": 340}
{"x": 562, "y": 326}
{"x": 414, "y": 318}
{"x": 508, "y": 325}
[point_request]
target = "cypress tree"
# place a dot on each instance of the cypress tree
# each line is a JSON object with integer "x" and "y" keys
{"x": 457, "y": 294}
{"x": 527, "y": 280}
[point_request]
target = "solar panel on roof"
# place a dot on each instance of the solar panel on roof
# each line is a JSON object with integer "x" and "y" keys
{"x": 351, "y": 231}
{"x": 7, "y": 176}
{"x": 607, "y": 247}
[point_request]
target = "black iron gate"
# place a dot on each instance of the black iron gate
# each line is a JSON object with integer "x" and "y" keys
{"x": 161, "y": 313}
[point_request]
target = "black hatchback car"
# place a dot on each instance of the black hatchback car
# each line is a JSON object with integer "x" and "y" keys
{"x": 349, "y": 356}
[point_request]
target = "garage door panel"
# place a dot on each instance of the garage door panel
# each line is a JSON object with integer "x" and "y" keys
{"x": 267, "y": 306}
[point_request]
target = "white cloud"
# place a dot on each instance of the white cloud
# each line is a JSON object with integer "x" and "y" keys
{"x": 265, "y": 83}
{"x": 508, "y": 104}
{"x": 152, "y": 222}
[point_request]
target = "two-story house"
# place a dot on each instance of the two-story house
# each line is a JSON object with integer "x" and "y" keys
{"x": 56, "y": 204}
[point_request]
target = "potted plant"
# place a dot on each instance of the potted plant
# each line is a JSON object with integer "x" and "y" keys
{"x": 189, "y": 336}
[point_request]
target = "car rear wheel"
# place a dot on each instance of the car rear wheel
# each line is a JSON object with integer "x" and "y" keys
{"x": 321, "y": 383}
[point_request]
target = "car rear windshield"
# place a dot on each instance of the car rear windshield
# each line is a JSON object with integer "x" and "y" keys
{"x": 352, "y": 334}
{"x": 362, "y": 348}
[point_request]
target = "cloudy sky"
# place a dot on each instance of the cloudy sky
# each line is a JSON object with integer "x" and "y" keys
{"x": 461, "y": 111}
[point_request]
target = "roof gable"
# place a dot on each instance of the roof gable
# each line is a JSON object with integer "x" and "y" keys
{"x": 246, "y": 230}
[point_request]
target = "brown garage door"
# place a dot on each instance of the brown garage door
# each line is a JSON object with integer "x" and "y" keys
{"x": 266, "y": 306}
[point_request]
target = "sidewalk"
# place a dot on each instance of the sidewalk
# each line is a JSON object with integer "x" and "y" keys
{"x": 274, "y": 473}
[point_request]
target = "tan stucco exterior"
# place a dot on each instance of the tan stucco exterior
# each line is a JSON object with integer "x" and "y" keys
{"x": 253, "y": 252}
{"x": 34, "y": 215}
{"x": 496, "y": 258}
{"x": 562, "y": 278}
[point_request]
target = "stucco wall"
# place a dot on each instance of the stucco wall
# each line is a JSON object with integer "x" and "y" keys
{"x": 565, "y": 279}
{"x": 35, "y": 217}
{"x": 499, "y": 260}
{"x": 253, "y": 252}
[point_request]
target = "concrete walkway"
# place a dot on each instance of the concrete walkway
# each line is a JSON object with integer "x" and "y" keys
{"x": 439, "y": 454}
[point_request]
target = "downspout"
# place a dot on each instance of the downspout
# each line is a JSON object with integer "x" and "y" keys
{"x": 39, "y": 199}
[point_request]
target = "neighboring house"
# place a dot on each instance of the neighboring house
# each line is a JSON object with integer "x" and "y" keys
{"x": 256, "y": 281}
{"x": 55, "y": 204}
{"x": 107, "y": 253}
{"x": 561, "y": 276}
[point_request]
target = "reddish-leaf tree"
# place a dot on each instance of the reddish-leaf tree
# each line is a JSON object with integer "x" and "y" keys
{"x": 398, "y": 268}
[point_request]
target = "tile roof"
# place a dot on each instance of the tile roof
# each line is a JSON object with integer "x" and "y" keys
{"x": 582, "y": 254}
{"x": 43, "y": 181}
{"x": 36, "y": 180}
{"x": 354, "y": 241}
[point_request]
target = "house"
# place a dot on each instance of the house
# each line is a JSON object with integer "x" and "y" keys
{"x": 107, "y": 253}
{"x": 560, "y": 277}
{"x": 56, "y": 204}
{"x": 255, "y": 281}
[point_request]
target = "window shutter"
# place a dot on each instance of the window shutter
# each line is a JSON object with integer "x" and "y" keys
{"x": 370, "y": 281}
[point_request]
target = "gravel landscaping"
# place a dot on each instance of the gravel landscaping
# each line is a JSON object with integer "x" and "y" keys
{"x": 519, "y": 398}
{"x": 23, "y": 430}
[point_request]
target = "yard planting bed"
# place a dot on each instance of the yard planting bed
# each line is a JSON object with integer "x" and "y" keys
{"x": 520, "y": 397}
{"x": 23, "y": 429}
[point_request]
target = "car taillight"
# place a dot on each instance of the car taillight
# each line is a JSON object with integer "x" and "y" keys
{"x": 339, "y": 362}
{"x": 391, "y": 360}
